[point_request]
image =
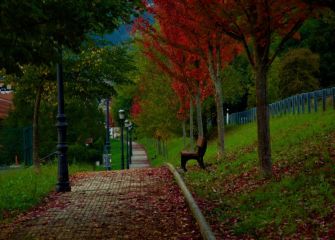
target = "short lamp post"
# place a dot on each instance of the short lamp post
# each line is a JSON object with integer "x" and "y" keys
{"x": 126, "y": 125}
{"x": 122, "y": 117}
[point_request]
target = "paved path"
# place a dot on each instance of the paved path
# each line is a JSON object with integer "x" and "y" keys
{"x": 130, "y": 204}
{"x": 139, "y": 158}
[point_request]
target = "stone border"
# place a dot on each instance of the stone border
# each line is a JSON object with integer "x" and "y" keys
{"x": 205, "y": 229}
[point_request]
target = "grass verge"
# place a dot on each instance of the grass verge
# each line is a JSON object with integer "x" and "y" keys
{"x": 23, "y": 188}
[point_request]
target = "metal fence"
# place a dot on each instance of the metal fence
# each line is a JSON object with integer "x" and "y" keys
{"x": 16, "y": 145}
{"x": 297, "y": 104}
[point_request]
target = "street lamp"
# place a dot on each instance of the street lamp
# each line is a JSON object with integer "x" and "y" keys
{"x": 107, "y": 143}
{"x": 126, "y": 124}
{"x": 122, "y": 117}
{"x": 63, "y": 184}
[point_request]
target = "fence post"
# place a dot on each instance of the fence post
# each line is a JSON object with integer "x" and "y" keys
{"x": 298, "y": 101}
{"x": 315, "y": 102}
{"x": 333, "y": 93}
{"x": 303, "y": 103}
{"x": 324, "y": 100}
{"x": 278, "y": 108}
{"x": 309, "y": 102}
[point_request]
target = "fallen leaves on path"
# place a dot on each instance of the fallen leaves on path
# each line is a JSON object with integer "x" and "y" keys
{"x": 132, "y": 204}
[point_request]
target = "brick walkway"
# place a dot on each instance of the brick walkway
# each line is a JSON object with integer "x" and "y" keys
{"x": 139, "y": 158}
{"x": 132, "y": 204}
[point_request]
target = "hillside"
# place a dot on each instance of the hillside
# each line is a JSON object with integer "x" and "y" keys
{"x": 298, "y": 202}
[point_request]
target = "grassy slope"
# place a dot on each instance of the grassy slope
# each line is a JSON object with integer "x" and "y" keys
{"x": 238, "y": 201}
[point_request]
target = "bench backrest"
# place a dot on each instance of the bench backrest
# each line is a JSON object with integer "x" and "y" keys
{"x": 202, "y": 146}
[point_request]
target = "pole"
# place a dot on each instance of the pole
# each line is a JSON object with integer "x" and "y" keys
{"x": 107, "y": 163}
{"x": 131, "y": 142}
{"x": 63, "y": 184}
{"x": 127, "y": 147}
{"x": 122, "y": 147}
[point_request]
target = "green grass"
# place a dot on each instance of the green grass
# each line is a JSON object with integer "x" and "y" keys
{"x": 300, "y": 147}
{"x": 115, "y": 146}
{"x": 116, "y": 154}
{"x": 23, "y": 188}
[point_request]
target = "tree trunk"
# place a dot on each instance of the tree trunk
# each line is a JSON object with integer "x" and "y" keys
{"x": 199, "y": 114}
{"x": 214, "y": 74}
{"x": 191, "y": 124}
{"x": 36, "y": 139}
{"x": 220, "y": 117}
{"x": 184, "y": 133}
{"x": 263, "y": 121}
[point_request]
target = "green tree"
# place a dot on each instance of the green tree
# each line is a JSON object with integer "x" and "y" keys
{"x": 41, "y": 28}
{"x": 298, "y": 72}
{"x": 157, "y": 100}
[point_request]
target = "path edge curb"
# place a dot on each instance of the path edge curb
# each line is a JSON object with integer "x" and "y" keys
{"x": 205, "y": 229}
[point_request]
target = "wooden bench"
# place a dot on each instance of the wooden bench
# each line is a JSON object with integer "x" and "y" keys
{"x": 198, "y": 155}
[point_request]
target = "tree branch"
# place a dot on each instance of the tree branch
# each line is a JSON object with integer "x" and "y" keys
{"x": 293, "y": 30}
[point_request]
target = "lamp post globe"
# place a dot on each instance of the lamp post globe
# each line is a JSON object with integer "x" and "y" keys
{"x": 121, "y": 114}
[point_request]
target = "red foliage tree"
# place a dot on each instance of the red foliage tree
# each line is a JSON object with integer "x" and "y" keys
{"x": 181, "y": 27}
{"x": 135, "y": 107}
{"x": 190, "y": 79}
{"x": 212, "y": 28}
{"x": 257, "y": 24}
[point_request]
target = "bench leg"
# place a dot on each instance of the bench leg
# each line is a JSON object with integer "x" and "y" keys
{"x": 201, "y": 163}
{"x": 183, "y": 164}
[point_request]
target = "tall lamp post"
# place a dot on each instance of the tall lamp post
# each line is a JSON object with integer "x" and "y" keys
{"x": 126, "y": 124}
{"x": 122, "y": 117}
{"x": 63, "y": 184}
{"x": 107, "y": 143}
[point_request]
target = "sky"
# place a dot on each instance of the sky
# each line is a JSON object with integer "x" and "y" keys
{"x": 122, "y": 33}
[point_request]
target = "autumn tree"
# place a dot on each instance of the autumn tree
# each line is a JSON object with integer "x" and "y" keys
{"x": 183, "y": 28}
{"x": 256, "y": 24}
{"x": 189, "y": 80}
{"x": 155, "y": 100}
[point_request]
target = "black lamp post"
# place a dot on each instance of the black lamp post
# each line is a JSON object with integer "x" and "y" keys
{"x": 107, "y": 143}
{"x": 122, "y": 117}
{"x": 126, "y": 124}
{"x": 130, "y": 141}
{"x": 63, "y": 184}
